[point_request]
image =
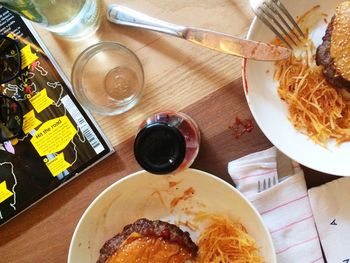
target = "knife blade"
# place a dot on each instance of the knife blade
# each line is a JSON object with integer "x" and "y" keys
{"x": 236, "y": 46}
{"x": 224, "y": 43}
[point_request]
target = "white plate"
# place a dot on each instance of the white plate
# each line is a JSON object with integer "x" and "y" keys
{"x": 138, "y": 195}
{"x": 271, "y": 113}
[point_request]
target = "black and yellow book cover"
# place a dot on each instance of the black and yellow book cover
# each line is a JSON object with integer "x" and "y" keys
{"x": 59, "y": 139}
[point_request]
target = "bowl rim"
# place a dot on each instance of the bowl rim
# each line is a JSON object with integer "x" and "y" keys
{"x": 190, "y": 170}
{"x": 82, "y": 60}
{"x": 293, "y": 155}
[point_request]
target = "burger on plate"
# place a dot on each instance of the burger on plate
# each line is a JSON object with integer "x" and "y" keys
{"x": 334, "y": 52}
{"x": 147, "y": 241}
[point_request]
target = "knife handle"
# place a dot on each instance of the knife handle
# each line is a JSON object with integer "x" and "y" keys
{"x": 122, "y": 15}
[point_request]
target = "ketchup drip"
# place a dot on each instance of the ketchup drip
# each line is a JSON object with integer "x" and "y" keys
{"x": 239, "y": 127}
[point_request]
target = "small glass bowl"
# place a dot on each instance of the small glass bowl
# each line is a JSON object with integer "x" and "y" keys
{"x": 108, "y": 78}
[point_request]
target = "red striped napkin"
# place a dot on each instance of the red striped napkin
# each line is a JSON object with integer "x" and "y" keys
{"x": 284, "y": 206}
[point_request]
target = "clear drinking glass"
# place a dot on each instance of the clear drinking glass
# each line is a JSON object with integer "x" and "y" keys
{"x": 68, "y": 18}
{"x": 108, "y": 78}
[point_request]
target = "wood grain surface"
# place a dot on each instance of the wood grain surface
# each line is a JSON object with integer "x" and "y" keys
{"x": 177, "y": 73}
{"x": 180, "y": 76}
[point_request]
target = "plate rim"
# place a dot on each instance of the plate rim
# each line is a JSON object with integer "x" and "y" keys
{"x": 191, "y": 170}
{"x": 324, "y": 169}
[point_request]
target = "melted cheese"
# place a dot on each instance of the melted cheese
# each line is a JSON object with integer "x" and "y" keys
{"x": 149, "y": 250}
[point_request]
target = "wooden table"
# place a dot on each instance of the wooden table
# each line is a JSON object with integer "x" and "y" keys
{"x": 180, "y": 76}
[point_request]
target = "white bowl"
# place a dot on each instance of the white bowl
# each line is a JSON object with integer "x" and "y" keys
{"x": 146, "y": 195}
{"x": 271, "y": 113}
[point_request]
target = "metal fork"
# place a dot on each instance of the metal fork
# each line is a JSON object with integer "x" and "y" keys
{"x": 285, "y": 169}
{"x": 276, "y": 17}
{"x": 266, "y": 183}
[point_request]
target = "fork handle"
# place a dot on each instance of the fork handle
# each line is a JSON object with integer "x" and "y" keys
{"x": 122, "y": 15}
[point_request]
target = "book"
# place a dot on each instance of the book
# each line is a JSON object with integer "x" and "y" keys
{"x": 60, "y": 139}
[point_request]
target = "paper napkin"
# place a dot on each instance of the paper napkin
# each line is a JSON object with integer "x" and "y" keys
{"x": 330, "y": 204}
{"x": 284, "y": 207}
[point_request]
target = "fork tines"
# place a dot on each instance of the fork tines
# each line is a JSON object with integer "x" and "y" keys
{"x": 279, "y": 20}
{"x": 266, "y": 184}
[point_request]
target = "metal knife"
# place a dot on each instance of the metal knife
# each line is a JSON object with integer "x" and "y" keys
{"x": 284, "y": 166}
{"x": 224, "y": 43}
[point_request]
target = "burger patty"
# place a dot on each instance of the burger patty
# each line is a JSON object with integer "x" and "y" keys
{"x": 323, "y": 57}
{"x": 145, "y": 227}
